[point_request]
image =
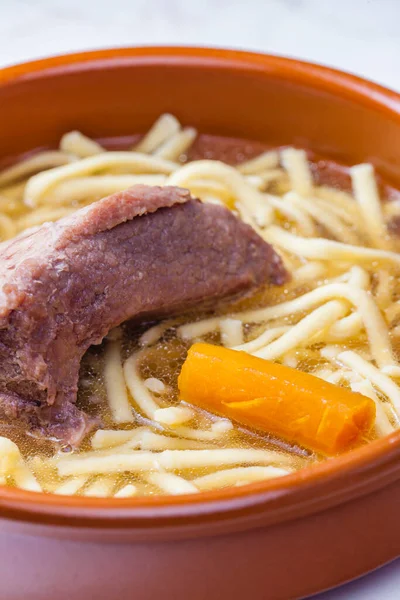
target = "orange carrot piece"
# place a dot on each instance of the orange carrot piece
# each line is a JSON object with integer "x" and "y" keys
{"x": 274, "y": 398}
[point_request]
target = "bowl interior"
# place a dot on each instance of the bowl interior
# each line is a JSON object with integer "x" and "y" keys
{"x": 269, "y": 99}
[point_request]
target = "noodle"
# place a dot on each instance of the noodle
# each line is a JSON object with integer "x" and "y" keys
{"x": 322, "y": 249}
{"x": 33, "y": 164}
{"x": 350, "y": 218}
{"x": 293, "y": 212}
{"x": 145, "y": 439}
{"x": 263, "y": 340}
{"x": 117, "y": 396}
{"x": 139, "y": 392}
{"x": 127, "y": 491}
{"x": 165, "y": 127}
{"x": 25, "y": 479}
{"x": 172, "y": 484}
{"x": 376, "y": 377}
{"x": 41, "y": 183}
{"x": 344, "y": 328}
{"x": 173, "y": 415}
{"x": 231, "y": 332}
{"x": 319, "y": 319}
{"x": 107, "y": 438}
{"x": 236, "y": 476}
{"x": 383, "y": 426}
{"x": 331, "y": 222}
{"x": 10, "y": 456}
{"x": 138, "y": 462}
{"x": 101, "y": 487}
{"x": 74, "y": 142}
{"x": 155, "y": 385}
{"x": 263, "y": 180}
{"x": 339, "y": 201}
{"x": 311, "y": 271}
{"x": 42, "y": 215}
{"x": 255, "y": 202}
{"x": 8, "y": 228}
{"x": 266, "y": 160}
{"x": 153, "y": 334}
{"x": 154, "y": 441}
{"x": 96, "y": 187}
{"x": 367, "y": 196}
{"x": 217, "y": 431}
{"x": 177, "y": 144}
{"x": 296, "y": 164}
{"x": 385, "y": 288}
{"x": 71, "y": 486}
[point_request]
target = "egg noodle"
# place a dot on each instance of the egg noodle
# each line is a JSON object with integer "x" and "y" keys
{"x": 338, "y": 318}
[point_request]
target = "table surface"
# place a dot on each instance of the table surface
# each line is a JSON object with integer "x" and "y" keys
{"x": 361, "y": 36}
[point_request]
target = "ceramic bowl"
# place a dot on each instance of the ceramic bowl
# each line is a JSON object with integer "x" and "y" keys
{"x": 278, "y": 539}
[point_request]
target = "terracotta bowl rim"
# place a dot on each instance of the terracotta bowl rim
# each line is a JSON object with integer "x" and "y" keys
{"x": 310, "y": 490}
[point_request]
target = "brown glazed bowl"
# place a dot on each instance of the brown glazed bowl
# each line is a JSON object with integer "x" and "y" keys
{"x": 275, "y": 540}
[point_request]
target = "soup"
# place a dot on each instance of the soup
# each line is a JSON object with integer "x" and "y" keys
{"x": 169, "y": 418}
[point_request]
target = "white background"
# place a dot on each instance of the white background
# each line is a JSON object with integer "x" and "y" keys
{"x": 362, "y": 36}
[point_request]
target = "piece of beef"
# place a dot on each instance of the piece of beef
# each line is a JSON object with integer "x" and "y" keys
{"x": 144, "y": 252}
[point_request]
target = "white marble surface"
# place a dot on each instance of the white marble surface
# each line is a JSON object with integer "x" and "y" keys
{"x": 357, "y": 35}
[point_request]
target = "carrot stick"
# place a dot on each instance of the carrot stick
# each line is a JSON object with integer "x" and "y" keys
{"x": 274, "y": 398}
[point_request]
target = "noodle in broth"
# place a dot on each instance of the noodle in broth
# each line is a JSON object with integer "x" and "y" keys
{"x": 338, "y": 318}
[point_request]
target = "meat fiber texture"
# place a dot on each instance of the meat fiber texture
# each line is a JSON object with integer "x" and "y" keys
{"x": 142, "y": 253}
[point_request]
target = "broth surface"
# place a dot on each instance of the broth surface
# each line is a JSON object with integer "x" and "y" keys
{"x": 310, "y": 199}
